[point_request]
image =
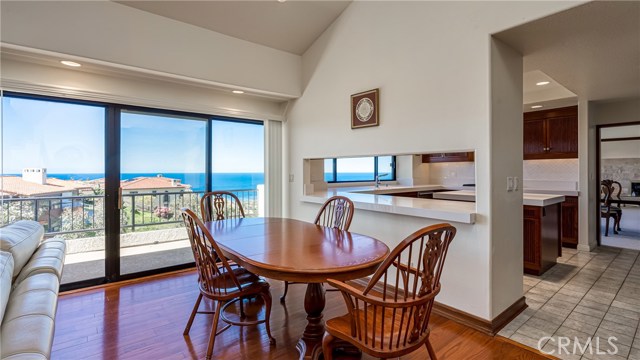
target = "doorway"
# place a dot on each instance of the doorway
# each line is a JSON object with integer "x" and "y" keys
{"x": 618, "y": 158}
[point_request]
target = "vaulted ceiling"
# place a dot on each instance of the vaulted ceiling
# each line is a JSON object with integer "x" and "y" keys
{"x": 593, "y": 50}
{"x": 290, "y": 26}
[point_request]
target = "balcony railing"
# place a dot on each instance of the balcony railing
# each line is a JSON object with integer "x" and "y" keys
{"x": 83, "y": 216}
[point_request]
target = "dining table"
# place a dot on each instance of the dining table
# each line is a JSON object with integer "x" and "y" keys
{"x": 299, "y": 251}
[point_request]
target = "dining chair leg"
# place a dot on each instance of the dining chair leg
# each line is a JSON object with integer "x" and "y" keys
{"x": 193, "y": 315}
{"x": 286, "y": 289}
{"x": 619, "y": 219}
{"x": 606, "y": 230}
{"x": 432, "y": 353}
{"x": 266, "y": 295}
{"x": 214, "y": 329}
{"x": 327, "y": 346}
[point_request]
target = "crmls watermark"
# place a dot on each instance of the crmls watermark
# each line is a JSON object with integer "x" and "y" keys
{"x": 563, "y": 345}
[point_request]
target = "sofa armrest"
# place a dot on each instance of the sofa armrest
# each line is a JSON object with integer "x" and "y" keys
{"x": 48, "y": 258}
{"x": 27, "y": 327}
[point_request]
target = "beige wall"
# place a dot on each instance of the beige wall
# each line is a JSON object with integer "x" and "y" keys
{"x": 118, "y": 34}
{"x": 127, "y": 89}
{"x": 431, "y": 61}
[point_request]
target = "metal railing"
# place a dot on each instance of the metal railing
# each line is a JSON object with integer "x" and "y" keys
{"x": 84, "y": 214}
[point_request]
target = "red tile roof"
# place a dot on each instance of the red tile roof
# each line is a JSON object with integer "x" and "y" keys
{"x": 16, "y": 186}
{"x": 147, "y": 183}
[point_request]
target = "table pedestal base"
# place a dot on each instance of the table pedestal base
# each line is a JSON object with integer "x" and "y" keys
{"x": 310, "y": 345}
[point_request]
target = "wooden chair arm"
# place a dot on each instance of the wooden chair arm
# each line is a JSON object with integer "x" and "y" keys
{"x": 369, "y": 299}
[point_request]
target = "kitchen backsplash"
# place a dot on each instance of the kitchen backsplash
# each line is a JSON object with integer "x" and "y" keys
{"x": 452, "y": 173}
{"x": 560, "y": 174}
{"x": 553, "y": 170}
{"x": 537, "y": 174}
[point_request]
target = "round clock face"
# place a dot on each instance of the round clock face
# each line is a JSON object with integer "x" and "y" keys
{"x": 364, "y": 109}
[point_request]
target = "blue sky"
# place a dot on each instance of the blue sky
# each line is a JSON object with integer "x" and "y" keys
{"x": 69, "y": 138}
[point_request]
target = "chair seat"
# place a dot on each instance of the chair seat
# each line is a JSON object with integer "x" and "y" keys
{"x": 250, "y": 283}
{"x": 340, "y": 327}
{"x": 612, "y": 209}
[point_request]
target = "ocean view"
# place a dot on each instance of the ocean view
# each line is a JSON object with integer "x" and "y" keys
{"x": 220, "y": 181}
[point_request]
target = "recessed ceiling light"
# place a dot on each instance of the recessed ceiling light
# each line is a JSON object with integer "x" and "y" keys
{"x": 70, "y": 63}
{"x": 541, "y": 83}
{"x": 238, "y": 92}
{"x": 281, "y": 1}
{"x": 536, "y": 106}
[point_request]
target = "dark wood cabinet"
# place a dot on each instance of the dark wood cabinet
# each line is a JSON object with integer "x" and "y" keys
{"x": 551, "y": 134}
{"x": 570, "y": 222}
{"x": 448, "y": 157}
{"x": 541, "y": 238}
{"x": 534, "y": 138}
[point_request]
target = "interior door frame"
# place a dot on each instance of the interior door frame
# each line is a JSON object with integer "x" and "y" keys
{"x": 599, "y": 173}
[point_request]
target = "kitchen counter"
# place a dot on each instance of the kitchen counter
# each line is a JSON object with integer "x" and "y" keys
{"x": 370, "y": 198}
{"x": 552, "y": 192}
{"x": 528, "y": 199}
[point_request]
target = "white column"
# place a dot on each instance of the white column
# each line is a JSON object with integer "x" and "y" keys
{"x": 273, "y": 168}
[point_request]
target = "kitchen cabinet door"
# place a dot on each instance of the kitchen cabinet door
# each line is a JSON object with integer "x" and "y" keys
{"x": 562, "y": 135}
{"x": 532, "y": 235}
{"x": 570, "y": 222}
{"x": 534, "y": 138}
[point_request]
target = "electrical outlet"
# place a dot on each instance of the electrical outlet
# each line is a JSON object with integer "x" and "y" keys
{"x": 509, "y": 183}
{"x": 290, "y": 177}
{"x": 516, "y": 183}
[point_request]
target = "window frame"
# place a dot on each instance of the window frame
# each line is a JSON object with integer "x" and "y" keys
{"x": 112, "y": 172}
{"x": 375, "y": 170}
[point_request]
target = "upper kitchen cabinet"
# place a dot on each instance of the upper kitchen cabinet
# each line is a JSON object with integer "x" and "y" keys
{"x": 551, "y": 134}
{"x": 448, "y": 157}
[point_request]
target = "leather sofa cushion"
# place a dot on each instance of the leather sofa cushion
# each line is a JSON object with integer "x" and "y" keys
{"x": 26, "y": 356}
{"x": 6, "y": 271}
{"x": 21, "y": 239}
{"x": 49, "y": 257}
{"x": 28, "y": 322}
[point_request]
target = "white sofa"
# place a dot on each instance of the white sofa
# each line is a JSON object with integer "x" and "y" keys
{"x": 30, "y": 272}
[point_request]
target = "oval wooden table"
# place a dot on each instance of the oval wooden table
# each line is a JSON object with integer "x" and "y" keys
{"x": 293, "y": 250}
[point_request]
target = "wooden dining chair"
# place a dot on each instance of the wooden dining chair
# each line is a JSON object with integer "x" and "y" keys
{"x": 220, "y": 205}
{"x": 220, "y": 282}
{"x": 336, "y": 212}
{"x": 607, "y": 210}
{"x": 616, "y": 191}
{"x": 390, "y": 316}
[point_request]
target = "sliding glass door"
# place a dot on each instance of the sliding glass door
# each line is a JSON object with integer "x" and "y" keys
{"x": 163, "y": 168}
{"x": 53, "y": 173}
{"x": 112, "y": 180}
{"x": 237, "y": 159}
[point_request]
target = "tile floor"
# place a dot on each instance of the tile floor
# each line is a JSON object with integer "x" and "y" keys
{"x": 629, "y": 236}
{"x": 586, "y": 295}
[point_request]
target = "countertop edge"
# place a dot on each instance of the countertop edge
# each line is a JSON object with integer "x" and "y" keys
{"x": 459, "y": 216}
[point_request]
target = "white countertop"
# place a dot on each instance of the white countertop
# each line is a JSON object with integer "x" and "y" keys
{"x": 527, "y": 198}
{"x": 553, "y": 192}
{"x": 369, "y": 198}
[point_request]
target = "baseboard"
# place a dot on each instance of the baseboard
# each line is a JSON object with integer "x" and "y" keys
{"x": 488, "y": 327}
{"x": 485, "y": 326}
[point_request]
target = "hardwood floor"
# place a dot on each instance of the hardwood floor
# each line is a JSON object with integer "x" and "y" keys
{"x": 144, "y": 319}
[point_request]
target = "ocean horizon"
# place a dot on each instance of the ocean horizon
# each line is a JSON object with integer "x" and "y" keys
{"x": 220, "y": 181}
